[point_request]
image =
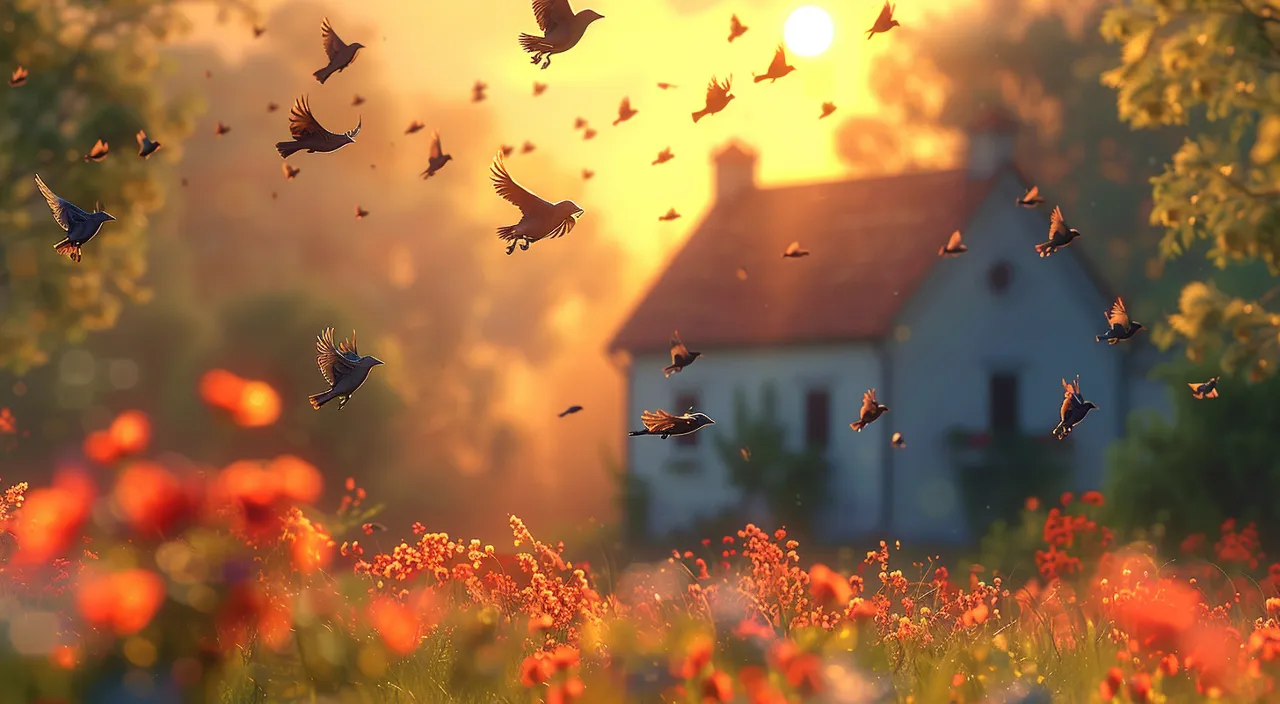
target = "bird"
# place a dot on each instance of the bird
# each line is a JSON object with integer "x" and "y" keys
{"x": 506, "y": 150}
{"x": 220, "y": 129}
{"x": 307, "y": 133}
{"x": 579, "y": 123}
{"x": 184, "y": 182}
{"x": 562, "y": 29}
{"x": 667, "y": 86}
{"x": 272, "y": 107}
{"x": 437, "y": 158}
{"x": 587, "y": 174}
{"x": 81, "y": 226}
{"x": 681, "y": 357}
{"x": 258, "y": 31}
{"x": 527, "y": 147}
{"x": 884, "y": 22}
{"x": 671, "y": 215}
{"x": 663, "y": 157}
{"x": 539, "y": 88}
{"x": 570, "y": 411}
{"x": 1074, "y": 408}
{"x": 794, "y": 252}
{"x": 414, "y": 127}
{"x": 477, "y": 91}
{"x": 343, "y": 368}
{"x": 360, "y": 212}
{"x": 274, "y": 195}
{"x": 19, "y": 77}
{"x": 98, "y": 152}
{"x": 778, "y": 68}
{"x": 897, "y": 441}
{"x": 954, "y": 247}
{"x": 736, "y": 28}
{"x": 289, "y": 172}
{"x": 827, "y": 109}
{"x": 1208, "y": 389}
{"x": 208, "y": 73}
{"x": 339, "y": 52}
{"x": 357, "y": 100}
{"x": 1059, "y": 234}
{"x": 1121, "y": 327}
{"x": 741, "y": 273}
{"x": 665, "y": 425}
{"x": 146, "y": 147}
{"x": 871, "y": 410}
{"x": 718, "y": 97}
{"x": 745, "y": 452}
{"x": 588, "y": 134}
{"x": 539, "y": 218}
{"x": 1031, "y": 199}
{"x": 625, "y": 112}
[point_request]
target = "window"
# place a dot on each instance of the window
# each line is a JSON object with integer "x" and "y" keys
{"x": 1003, "y": 400}
{"x": 999, "y": 277}
{"x": 683, "y": 403}
{"x": 817, "y": 419}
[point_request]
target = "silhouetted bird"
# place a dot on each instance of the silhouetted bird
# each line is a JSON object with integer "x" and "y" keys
{"x": 507, "y": 150}
{"x": 561, "y": 27}
{"x": 527, "y": 147}
{"x": 98, "y": 152}
{"x": 1208, "y": 389}
{"x": 539, "y": 88}
{"x": 258, "y": 31}
{"x": 357, "y": 100}
{"x": 1121, "y": 327}
{"x": 954, "y": 246}
{"x": 736, "y": 28}
{"x": 477, "y": 91}
{"x": 884, "y": 22}
{"x": 665, "y": 425}
{"x": 360, "y": 213}
{"x": 570, "y": 411}
{"x": 587, "y": 174}
{"x": 681, "y": 357}
{"x": 1031, "y": 199}
{"x": 827, "y": 109}
{"x": 663, "y": 157}
{"x": 414, "y": 127}
{"x": 579, "y": 123}
{"x": 794, "y": 252}
{"x": 208, "y": 73}
{"x": 671, "y": 215}
{"x": 289, "y": 172}
{"x": 343, "y": 368}
{"x": 146, "y": 147}
{"x": 220, "y": 129}
{"x": 272, "y": 107}
{"x": 897, "y": 441}
{"x": 80, "y": 225}
{"x": 718, "y": 97}
{"x": 667, "y": 86}
{"x": 274, "y": 195}
{"x": 184, "y": 182}
{"x": 778, "y": 68}
{"x": 871, "y": 410}
{"x": 1074, "y": 408}
{"x": 19, "y": 77}
{"x": 339, "y": 52}
{"x": 1059, "y": 234}
{"x": 437, "y": 158}
{"x": 309, "y": 135}
{"x": 539, "y": 218}
{"x": 588, "y": 133}
{"x": 625, "y": 112}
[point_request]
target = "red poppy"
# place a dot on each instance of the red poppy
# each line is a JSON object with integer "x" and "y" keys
{"x": 697, "y": 657}
{"x": 130, "y": 433}
{"x": 124, "y": 602}
{"x": 717, "y": 687}
{"x": 50, "y": 519}
{"x": 828, "y": 588}
{"x": 534, "y": 670}
{"x": 1093, "y": 498}
{"x": 152, "y": 499}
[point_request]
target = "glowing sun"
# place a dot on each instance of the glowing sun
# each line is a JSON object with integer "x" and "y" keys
{"x": 809, "y": 31}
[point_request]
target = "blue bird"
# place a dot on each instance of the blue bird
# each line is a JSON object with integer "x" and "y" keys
{"x": 343, "y": 368}
{"x": 80, "y": 225}
{"x": 1074, "y": 408}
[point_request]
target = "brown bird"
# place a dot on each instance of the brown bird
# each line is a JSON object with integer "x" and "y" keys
{"x": 884, "y": 22}
{"x": 718, "y": 97}
{"x": 208, "y": 73}
{"x": 667, "y": 86}
{"x": 19, "y": 77}
{"x": 736, "y": 28}
{"x": 871, "y": 410}
{"x": 539, "y": 219}
{"x": 274, "y": 195}
{"x": 579, "y": 123}
{"x": 539, "y": 88}
{"x": 184, "y": 182}
{"x": 562, "y": 29}
{"x": 356, "y": 100}
{"x": 1031, "y": 199}
{"x": 477, "y": 91}
{"x": 1121, "y": 327}
{"x": 671, "y": 215}
{"x": 897, "y": 441}
{"x": 360, "y": 212}
{"x": 827, "y": 109}
{"x": 437, "y": 158}
{"x": 794, "y": 251}
{"x": 339, "y": 52}
{"x": 954, "y": 246}
{"x": 1208, "y": 389}
{"x": 778, "y": 68}
{"x": 528, "y": 147}
{"x": 289, "y": 172}
{"x": 307, "y": 133}
{"x": 1059, "y": 234}
{"x": 506, "y": 150}
{"x": 681, "y": 357}
{"x": 98, "y": 152}
{"x": 667, "y": 425}
{"x": 588, "y": 134}
{"x": 146, "y": 147}
{"x": 220, "y": 129}
{"x": 272, "y": 107}
{"x": 413, "y": 127}
{"x": 587, "y": 174}
{"x": 663, "y": 157}
{"x": 625, "y": 112}
{"x": 258, "y": 31}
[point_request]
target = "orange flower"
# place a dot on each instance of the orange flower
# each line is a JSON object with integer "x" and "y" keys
{"x": 221, "y": 389}
{"x": 50, "y": 519}
{"x": 540, "y": 623}
{"x": 311, "y": 547}
{"x": 803, "y": 673}
{"x": 130, "y": 433}
{"x": 1032, "y": 504}
{"x": 717, "y": 687}
{"x": 396, "y": 624}
{"x": 1093, "y": 498}
{"x": 258, "y": 405}
{"x": 828, "y": 588}
{"x": 534, "y": 670}
{"x": 1140, "y": 688}
{"x": 8, "y": 425}
{"x": 1169, "y": 665}
{"x": 299, "y": 479}
{"x": 99, "y": 448}
{"x": 563, "y": 658}
{"x": 697, "y": 657}
{"x": 151, "y": 498}
{"x": 63, "y": 657}
{"x": 975, "y": 616}
{"x": 569, "y": 691}
{"x": 124, "y": 601}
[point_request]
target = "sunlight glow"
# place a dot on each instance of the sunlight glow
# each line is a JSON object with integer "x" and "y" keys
{"x": 809, "y": 31}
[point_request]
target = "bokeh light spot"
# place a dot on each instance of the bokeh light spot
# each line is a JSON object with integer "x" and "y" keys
{"x": 809, "y": 31}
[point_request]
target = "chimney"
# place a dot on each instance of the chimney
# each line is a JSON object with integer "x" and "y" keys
{"x": 735, "y": 170}
{"x": 991, "y": 140}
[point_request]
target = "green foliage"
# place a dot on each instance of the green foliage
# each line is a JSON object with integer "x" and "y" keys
{"x": 999, "y": 472}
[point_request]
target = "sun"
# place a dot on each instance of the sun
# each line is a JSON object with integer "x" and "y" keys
{"x": 809, "y": 31}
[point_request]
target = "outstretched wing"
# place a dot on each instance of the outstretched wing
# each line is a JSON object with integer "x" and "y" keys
{"x": 1032, "y": 194}
{"x": 868, "y": 403}
{"x": 511, "y": 191}
{"x": 64, "y": 212}
{"x": 1118, "y": 317}
{"x": 348, "y": 347}
{"x": 779, "y": 61}
{"x": 1071, "y": 397}
{"x": 658, "y": 421}
{"x": 625, "y": 107}
{"x": 1057, "y": 226}
{"x": 677, "y": 346}
{"x": 334, "y": 365}
{"x": 303, "y": 124}
{"x": 332, "y": 42}
{"x": 712, "y": 88}
{"x": 551, "y": 13}
{"x": 886, "y": 14}
{"x": 436, "y": 149}
{"x": 792, "y": 248}
{"x": 955, "y": 240}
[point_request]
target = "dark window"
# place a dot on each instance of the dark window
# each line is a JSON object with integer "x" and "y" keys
{"x": 683, "y": 403}
{"x": 1004, "y": 402}
{"x": 999, "y": 277}
{"x": 817, "y": 419}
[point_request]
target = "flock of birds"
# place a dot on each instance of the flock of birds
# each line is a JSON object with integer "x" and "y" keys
{"x": 345, "y": 369}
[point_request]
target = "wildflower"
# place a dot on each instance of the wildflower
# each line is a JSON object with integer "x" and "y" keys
{"x": 697, "y": 657}
{"x": 828, "y": 588}
{"x": 99, "y": 448}
{"x": 1032, "y": 504}
{"x": 566, "y": 692}
{"x": 975, "y": 616}
{"x": 1093, "y": 498}
{"x": 534, "y": 670}
{"x": 8, "y": 425}
{"x": 717, "y": 687}
{"x": 1067, "y": 498}
{"x": 257, "y": 406}
{"x": 563, "y": 658}
{"x": 151, "y": 498}
{"x": 1140, "y": 688}
{"x": 124, "y": 601}
{"x": 1169, "y": 665}
{"x": 51, "y": 518}
{"x": 221, "y": 389}
{"x": 396, "y": 624}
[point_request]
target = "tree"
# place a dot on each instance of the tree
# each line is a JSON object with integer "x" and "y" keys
{"x": 1217, "y": 62}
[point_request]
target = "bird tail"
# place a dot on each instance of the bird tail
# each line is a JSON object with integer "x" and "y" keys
{"x": 699, "y": 115}
{"x": 1098, "y": 338}
{"x": 533, "y": 44}
{"x": 637, "y": 433}
{"x": 68, "y": 248}
{"x": 318, "y": 400}
{"x": 668, "y": 371}
{"x": 758, "y": 79}
{"x": 858, "y": 426}
{"x": 870, "y": 32}
{"x": 615, "y": 122}
{"x": 507, "y": 233}
{"x": 323, "y": 74}
{"x": 1044, "y": 248}
{"x": 287, "y": 149}
{"x": 1211, "y": 394}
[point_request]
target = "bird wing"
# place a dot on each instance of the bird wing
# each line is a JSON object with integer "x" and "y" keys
{"x": 64, "y": 212}
{"x": 886, "y": 14}
{"x": 1118, "y": 317}
{"x": 955, "y": 240}
{"x": 348, "y": 347}
{"x": 332, "y": 362}
{"x": 868, "y": 403}
{"x": 779, "y": 61}
{"x": 625, "y": 107}
{"x": 513, "y": 192}
{"x": 141, "y": 137}
{"x": 1057, "y": 226}
{"x": 332, "y": 42}
{"x": 735, "y": 24}
{"x": 1032, "y": 194}
{"x": 436, "y": 149}
{"x": 303, "y": 124}
{"x": 677, "y": 347}
{"x": 551, "y": 13}
{"x": 658, "y": 421}
{"x": 793, "y": 248}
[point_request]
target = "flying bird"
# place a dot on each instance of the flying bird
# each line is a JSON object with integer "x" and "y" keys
{"x": 665, "y": 425}
{"x": 794, "y": 251}
{"x": 736, "y": 28}
{"x": 477, "y": 91}
{"x": 827, "y": 109}
{"x": 663, "y": 157}
{"x": 1074, "y": 408}
{"x": 272, "y": 107}
{"x": 587, "y": 174}
{"x": 561, "y": 27}
{"x": 539, "y": 218}
{"x": 871, "y": 410}
{"x": 437, "y": 158}
{"x": 579, "y": 123}
{"x": 570, "y": 411}
{"x": 360, "y": 212}
{"x": 588, "y": 134}
{"x": 778, "y": 68}
{"x": 80, "y": 225}
{"x": 625, "y": 112}
{"x": 506, "y": 150}
{"x": 884, "y": 22}
{"x": 309, "y": 135}
{"x": 343, "y": 368}
{"x": 208, "y": 73}
{"x": 146, "y": 147}
{"x": 667, "y": 86}
{"x": 1031, "y": 199}
{"x": 745, "y": 452}
{"x": 220, "y": 129}
{"x": 681, "y": 357}
{"x": 954, "y": 246}
{"x": 671, "y": 215}
{"x": 528, "y": 147}
{"x": 339, "y": 52}
{"x": 98, "y": 152}
{"x": 1059, "y": 234}
{"x": 19, "y": 77}
{"x": 356, "y": 100}
{"x": 289, "y": 172}
{"x": 1208, "y": 389}
{"x": 414, "y": 127}
{"x": 258, "y": 31}
{"x": 539, "y": 88}
{"x": 741, "y": 273}
{"x": 1121, "y": 327}
{"x": 718, "y": 97}
{"x": 897, "y": 441}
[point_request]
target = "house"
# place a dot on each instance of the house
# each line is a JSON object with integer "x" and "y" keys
{"x": 969, "y": 344}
